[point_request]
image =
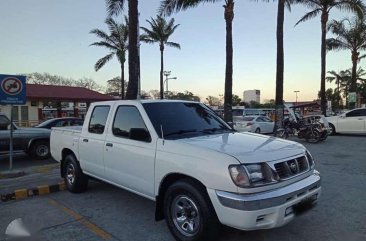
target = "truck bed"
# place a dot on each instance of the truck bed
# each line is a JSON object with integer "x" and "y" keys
{"x": 65, "y": 137}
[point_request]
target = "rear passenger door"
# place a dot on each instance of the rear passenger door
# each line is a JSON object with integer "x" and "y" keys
{"x": 91, "y": 141}
{"x": 130, "y": 162}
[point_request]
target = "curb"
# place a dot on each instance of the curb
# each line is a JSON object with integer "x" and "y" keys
{"x": 31, "y": 192}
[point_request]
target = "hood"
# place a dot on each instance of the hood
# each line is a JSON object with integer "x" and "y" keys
{"x": 33, "y": 130}
{"x": 248, "y": 147}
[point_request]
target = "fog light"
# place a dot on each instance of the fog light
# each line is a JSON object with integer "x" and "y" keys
{"x": 289, "y": 211}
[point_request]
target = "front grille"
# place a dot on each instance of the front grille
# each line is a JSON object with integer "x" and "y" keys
{"x": 292, "y": 167}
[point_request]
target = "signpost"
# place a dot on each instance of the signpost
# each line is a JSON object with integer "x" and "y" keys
{"x": 352, "y": 97}
{"x": 12, "y": 92}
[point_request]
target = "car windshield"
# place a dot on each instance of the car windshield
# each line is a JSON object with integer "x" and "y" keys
{"x": 248, "y": 118}
{"x": 184, "y": 119}
{"x": 45, "y": 123}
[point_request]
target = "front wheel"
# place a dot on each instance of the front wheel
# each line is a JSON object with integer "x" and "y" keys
{"x": 189, "y": 213}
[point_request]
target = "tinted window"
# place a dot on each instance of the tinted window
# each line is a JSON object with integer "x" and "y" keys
{"x": 127, "y": 117}
{"x": 355, "y": 113}
{"x": 237, "y": 112}
{"x": 76, "y": 122}
{"x": 179, "y": 119}
{"x": 61, "y": 123}
{"x": 248, "y": 118}
{"x": 98, "y": 119}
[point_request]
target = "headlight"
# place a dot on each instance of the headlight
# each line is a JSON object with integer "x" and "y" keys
{"x": 310, "y": 159}
{"x": 252, "y": 175}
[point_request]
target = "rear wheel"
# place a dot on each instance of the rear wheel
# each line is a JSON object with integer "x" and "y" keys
{"x": 258, "y": 130}
{"x": 76, "y": 181}
{"x": 189, "y": 212}
{"x": 313, "y": 136}
{"x": 40, "y": 150}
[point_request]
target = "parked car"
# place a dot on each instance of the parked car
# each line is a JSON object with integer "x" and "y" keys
{"x": 352, "y": 122}
{"x": 257, "y": 124}
{"x": 33, "y": 141}
{"x": 59, "y": 122}
{"x": 198, "y": 170}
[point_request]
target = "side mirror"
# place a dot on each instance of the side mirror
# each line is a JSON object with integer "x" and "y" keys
{"x": 140, "y": 134}
{"x": 343, "y": 116}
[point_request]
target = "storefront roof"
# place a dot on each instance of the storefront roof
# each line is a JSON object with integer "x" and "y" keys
{"x": 64, "y": 93}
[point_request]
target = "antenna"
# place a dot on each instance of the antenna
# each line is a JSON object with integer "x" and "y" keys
{"x": 162, "y": 133}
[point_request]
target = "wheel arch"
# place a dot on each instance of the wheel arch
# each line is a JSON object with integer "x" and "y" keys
{"x": 34, "y": 140}
{"x": 168, "y": 180}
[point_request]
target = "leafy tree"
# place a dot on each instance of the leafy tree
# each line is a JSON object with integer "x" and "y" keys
{"x": 49, "y": 79}
{"x": 254, "y": 104}
{"x": 114, "y": 86}
{"x": 116, "y": 43}
{"x": 187, "y": 95}
{"x": 155, "y": 94}
{"x": 160, "y": 31}
{"x": 236, "y": 100}
{"x": 338, "y": 78}
{"x": 349, "y": 35}
{"x": 213, "y": 101}
{"x": 323, "y": 8}
{"x": 114, "y": 8}
{"x": 170, "y": 6}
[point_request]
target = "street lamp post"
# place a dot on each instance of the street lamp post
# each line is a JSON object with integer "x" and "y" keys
{"x": 296, "y": 91}
{"x": 167, "y": 74}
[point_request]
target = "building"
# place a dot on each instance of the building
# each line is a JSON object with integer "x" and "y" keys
{"x": 252, "y": 95}
{"x": 50, "y": 101}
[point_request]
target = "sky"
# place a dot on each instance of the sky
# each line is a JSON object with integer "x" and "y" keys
{"x": 53, "y": 36}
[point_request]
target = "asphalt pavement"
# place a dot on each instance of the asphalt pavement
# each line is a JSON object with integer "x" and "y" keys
{"x": 105, "y": 212}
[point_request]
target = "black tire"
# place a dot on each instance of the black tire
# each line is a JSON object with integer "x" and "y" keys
{"x": 333, "y": 129}
{"x": 40, "y": 150}
{"x": 313, "y": 136}
{"x": 76, "y": 181}
{"x": 199, "y": 209}
{"x": 258, "y": 130}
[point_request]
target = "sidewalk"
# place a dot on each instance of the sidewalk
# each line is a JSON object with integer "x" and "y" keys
{"x": 38, "y": 180}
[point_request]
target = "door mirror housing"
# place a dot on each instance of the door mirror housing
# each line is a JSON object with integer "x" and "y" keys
{"x": 140, "y": 134}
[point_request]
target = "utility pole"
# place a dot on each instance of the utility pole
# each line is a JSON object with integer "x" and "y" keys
{"x": 296, "y": 91}
{"x": 167, "y": 74}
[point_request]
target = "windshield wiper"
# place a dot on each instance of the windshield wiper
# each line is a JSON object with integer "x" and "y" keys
{"x": 213, "y": 130}
{"x": 180, "y": 132}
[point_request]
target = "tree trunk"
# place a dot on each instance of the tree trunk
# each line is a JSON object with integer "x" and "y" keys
{"x": 161, "y": 72}
{"x": 353, "y": 87}
{"x": 228, "y": 98}
{"x": 133, "y": 57}
{"x": 123, "y": 81}
{"x": 323, "y": 99}
{"x": 280, "y": 65}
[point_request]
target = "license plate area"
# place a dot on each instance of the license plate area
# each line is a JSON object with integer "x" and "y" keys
{"x": 303, "y": 206}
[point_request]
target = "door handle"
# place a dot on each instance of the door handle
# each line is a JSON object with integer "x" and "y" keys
{"x": 360, "y": 119}
{"x": 85, "y": 140}
{"x": 109, "y": 144}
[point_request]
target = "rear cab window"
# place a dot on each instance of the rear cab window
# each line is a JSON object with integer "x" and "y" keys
{"x": 98, "y": 119}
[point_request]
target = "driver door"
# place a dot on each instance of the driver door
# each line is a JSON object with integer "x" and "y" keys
{"x": 353, "y": 121}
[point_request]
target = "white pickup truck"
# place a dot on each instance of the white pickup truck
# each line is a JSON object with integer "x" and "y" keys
{"x": 198, "y": 170}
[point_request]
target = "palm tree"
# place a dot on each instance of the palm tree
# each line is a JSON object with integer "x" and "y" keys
{"x": 323, "y": 7}
{"x": 160, "y": 32}
{"x": 115, "y": 7}
{"x": 349, "y": 35}
{"x": 338, "y": 78}
{"x": 170, "y": 6}
{"x": 116, "y": 43}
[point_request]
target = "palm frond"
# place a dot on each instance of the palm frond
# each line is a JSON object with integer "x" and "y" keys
{"x": 102, "y": 61}
{"x": 172, "y": 44}
{"x": 168, "y": 7}
{"x": 105, "y": 45}
{"x": 114, "y": 7}
{"x": 309, "y": 15}
{"x": 356, "y": 6}
{"x": 335, "y": 45}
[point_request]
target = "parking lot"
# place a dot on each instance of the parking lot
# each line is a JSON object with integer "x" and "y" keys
{"x": 105, "y": 212}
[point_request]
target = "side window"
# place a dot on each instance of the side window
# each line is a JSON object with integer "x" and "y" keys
{"x": 260, "y": 119}
{"x": 60, "y": 123}
{"x": 4, "y": 123}
{"x": 127, "y": 118}
{"x": 98, "y": 119}
{"x": 354, "y": 113}
{"x": 363, "y": 112}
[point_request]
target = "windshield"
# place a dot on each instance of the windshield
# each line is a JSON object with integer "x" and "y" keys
{"x": 182, "y": 120}
{"x": 45, "y": 123}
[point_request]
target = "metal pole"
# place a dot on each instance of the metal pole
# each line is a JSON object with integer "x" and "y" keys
{"x": 11, "y": 139}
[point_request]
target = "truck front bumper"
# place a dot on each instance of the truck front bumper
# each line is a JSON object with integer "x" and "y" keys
{"x": 267, "y": 209}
